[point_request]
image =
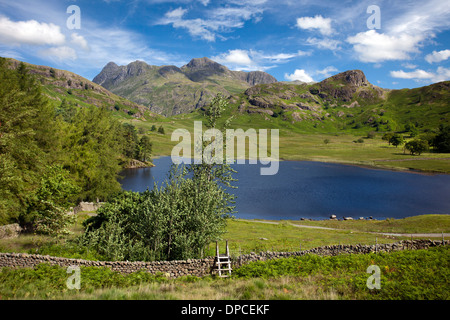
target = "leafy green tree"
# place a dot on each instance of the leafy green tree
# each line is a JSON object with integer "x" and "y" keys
{"x": 161, "y": 130}
{"x": 387, "y": 137}
{"x": 397, "y": 140}
{"x": 131, "y": 140}
{"x": 174, "y": 221}
{"x": 144, "y": 148}
{"x": 417, "y": 146}
{"x": 27, "y": 139}
{"x": 93, "y": 147}
{"x": 87, "y": 142}
{"x": 153, "y": 128}
{"x": 47, "y": 210}
{"x": 442, "y": 140}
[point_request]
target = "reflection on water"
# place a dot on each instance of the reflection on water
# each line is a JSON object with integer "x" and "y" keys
{"x": 317, "y": 190}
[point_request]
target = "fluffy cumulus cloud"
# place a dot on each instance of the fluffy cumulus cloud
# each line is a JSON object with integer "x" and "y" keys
{"x": 299, "y": 75}
{"x": 372, "y": 46}
{"x": 236, "y": 57}
{"x": 416, "y": 74}
{"x": 323, "y": 25}
{"x": 441, "y": 74}
{"x": 438, "y": 56}
{"x": 79, "y": 41}
{"x": 29, "y": 32}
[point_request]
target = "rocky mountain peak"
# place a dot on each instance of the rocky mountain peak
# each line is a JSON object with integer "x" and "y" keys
{"x": 356, "y": 78}
{"x": 203, "y": 63}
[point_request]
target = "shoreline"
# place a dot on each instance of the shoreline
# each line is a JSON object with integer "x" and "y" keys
{"x": 372, "y": 166}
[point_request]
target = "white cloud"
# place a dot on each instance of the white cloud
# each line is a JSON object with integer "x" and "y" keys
{"x": 278, "y": 57}
{"x": 438, "y": 56}
{"x": 409, "y": 65}
{"x": 249, "y": 60}
{"x": 60, "y": 53}
{"x": 219, "y": 20}
{"x": 441, "y": 74}
{"x": 417, "y": 74}
{"x": 327, "y": 72}
{"x": 299, "y": 75}
{"x": 80, "y": 41}
{"x": 236, "y": 57}
{"x": 421, "y": 17}
{"x": 318, "y": 22}
{"x": 406, "y": 29}
{"x": 372, "y": 46}
{"x": 29, "y": 32}
{"x": 326, "y": 43}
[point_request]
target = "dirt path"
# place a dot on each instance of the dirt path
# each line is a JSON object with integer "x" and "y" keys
{"x": 421, "y": 235}
{"x": 395, "y": 160}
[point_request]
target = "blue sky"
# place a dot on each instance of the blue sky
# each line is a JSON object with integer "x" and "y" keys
{"x": 407, "y": 45}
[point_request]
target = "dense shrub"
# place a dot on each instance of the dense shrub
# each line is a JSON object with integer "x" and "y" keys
{"x": 175, "y": 221}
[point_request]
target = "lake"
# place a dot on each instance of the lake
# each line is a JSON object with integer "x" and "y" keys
{"x": 315, "y": 190}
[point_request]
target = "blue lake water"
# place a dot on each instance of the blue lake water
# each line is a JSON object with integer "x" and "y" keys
{"x": 305, "y": 189}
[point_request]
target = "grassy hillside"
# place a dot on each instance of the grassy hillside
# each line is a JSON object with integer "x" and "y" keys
{"x": 68, "y": 90}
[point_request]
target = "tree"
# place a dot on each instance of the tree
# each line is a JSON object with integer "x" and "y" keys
{"x": 47, "y": 211}
{"x": 175, "y": 221}
{"x": 131, "y": 140}
{"x": 387, "y": 137}
{"x": 417, "y": 146}
{"x": 161, "y": 130}
{"x": 172, "y": 222}
{"x": 153, "y": 128}
{"x": 397, "y": 140}
{"x": 442, "y": 140}
{"x": 28, "y": 139}
{"x": 144, "y": 148}
{"x": 93, "y": 150}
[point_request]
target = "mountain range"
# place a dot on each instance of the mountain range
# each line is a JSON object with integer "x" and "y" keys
{"x": 169, "y": 90}
{"x": 345, "y": 101}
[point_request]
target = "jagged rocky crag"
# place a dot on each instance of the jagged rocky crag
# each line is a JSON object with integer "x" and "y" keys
{"x": 170, "y": 90}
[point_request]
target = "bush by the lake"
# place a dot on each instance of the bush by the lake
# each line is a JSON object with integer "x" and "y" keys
{"x": 172, "y": 222}
{"x": 417, "y": 146}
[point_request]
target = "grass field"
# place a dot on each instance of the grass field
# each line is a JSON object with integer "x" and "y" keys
{"x": 421, "y": 274}
{"x": 298, "y": 144}
{"x": 405, "y": 275}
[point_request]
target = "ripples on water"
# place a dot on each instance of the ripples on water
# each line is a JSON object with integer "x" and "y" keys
{"x": 305, "y": 189}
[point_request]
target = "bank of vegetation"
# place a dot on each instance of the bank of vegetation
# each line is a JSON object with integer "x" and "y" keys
{"x": 404, "y": 275}
{"x": 53, "y": 157}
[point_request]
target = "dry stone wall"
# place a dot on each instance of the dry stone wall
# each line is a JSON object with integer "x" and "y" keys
{"x": 341, "y": 249}
{"x": 203, "y": 267}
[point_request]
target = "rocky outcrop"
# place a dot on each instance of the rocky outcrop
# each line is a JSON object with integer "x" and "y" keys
{"x": 254, "y": 78}
{"x": 112, "y": 75}
{"x": 170, "y": 90}
{"x": 10, "y": 231}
